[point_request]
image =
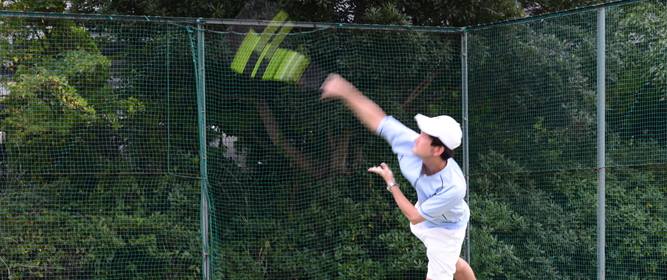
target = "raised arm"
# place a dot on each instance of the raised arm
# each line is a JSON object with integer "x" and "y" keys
{"x": 369, "y": 113}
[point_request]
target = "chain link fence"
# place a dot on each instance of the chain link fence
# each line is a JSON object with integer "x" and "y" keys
{"x": 130, "y": 148}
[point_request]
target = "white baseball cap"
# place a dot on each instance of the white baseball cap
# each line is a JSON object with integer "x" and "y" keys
{"x": 443, "y": 127}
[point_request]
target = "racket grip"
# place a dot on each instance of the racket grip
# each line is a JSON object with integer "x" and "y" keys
{"x": 313, "y": 77}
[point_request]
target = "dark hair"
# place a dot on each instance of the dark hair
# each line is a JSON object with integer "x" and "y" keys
{"x": 448, "y": 153}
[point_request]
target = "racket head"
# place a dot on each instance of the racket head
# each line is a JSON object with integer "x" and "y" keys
{"x": 255, "y": 45}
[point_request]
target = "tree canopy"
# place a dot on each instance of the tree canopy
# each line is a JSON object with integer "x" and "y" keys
{"x": 401, "y": 12}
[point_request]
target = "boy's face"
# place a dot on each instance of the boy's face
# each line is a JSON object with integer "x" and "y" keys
{"x": 423, "y": 148}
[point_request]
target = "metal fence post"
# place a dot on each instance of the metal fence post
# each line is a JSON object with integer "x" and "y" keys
{"x": 3, "y": 153}
{"x": 601, "y": 142}
{"x": 201, "y": 104}
{"x": 466, "y": 158}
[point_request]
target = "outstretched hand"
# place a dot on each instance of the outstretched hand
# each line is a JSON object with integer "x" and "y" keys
{"x": 369, "y": 113}
{"x": 384, "y": 171}
{"x": 336, "y": 86}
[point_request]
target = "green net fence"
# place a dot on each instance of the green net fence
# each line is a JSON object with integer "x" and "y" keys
{"x": 97, "y": 177}
{"x": 637, "y": 133}
{"x": 533, "y": 186}
{"x": 295, "y": 200}
{"x": 533, "y": 90}
{"x": 111, "y": 127}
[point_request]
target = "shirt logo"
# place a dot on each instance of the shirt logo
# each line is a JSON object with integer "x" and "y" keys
{"x": 436, "y": 192}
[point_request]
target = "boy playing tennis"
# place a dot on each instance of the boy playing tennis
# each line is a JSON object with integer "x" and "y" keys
{"x": 440, "y": 217}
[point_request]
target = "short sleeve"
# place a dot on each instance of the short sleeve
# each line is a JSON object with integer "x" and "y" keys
{"x": 400, "y": 137}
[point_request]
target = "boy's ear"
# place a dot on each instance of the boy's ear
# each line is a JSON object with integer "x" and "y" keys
{"x": 438, "y": 151}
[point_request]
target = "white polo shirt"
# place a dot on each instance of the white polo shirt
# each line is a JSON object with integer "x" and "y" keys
{"x": 440, "y": 196}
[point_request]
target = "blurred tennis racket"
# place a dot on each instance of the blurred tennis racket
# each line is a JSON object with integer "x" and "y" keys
{"x": 260, "y": 56}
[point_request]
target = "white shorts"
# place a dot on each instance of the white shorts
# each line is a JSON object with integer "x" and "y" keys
{"x": 443, "y": 247}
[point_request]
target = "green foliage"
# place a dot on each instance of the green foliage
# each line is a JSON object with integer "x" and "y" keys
{"x": 415, "y": 12}
{"x": 638, "y": 86}
{"x": 80, "y": 193}
{"x": 388, "y": 13}
{"x": 540, "y": 168}
{"x": 58, "y": 231}
{"x": 208, "y": 9}
{"x": 104, "y": 147}
{"x": 530, "y": 232}
{"x": 555, "y": 6}
{"x": 44, "y": 103}
{"x": 54, "y": 6}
